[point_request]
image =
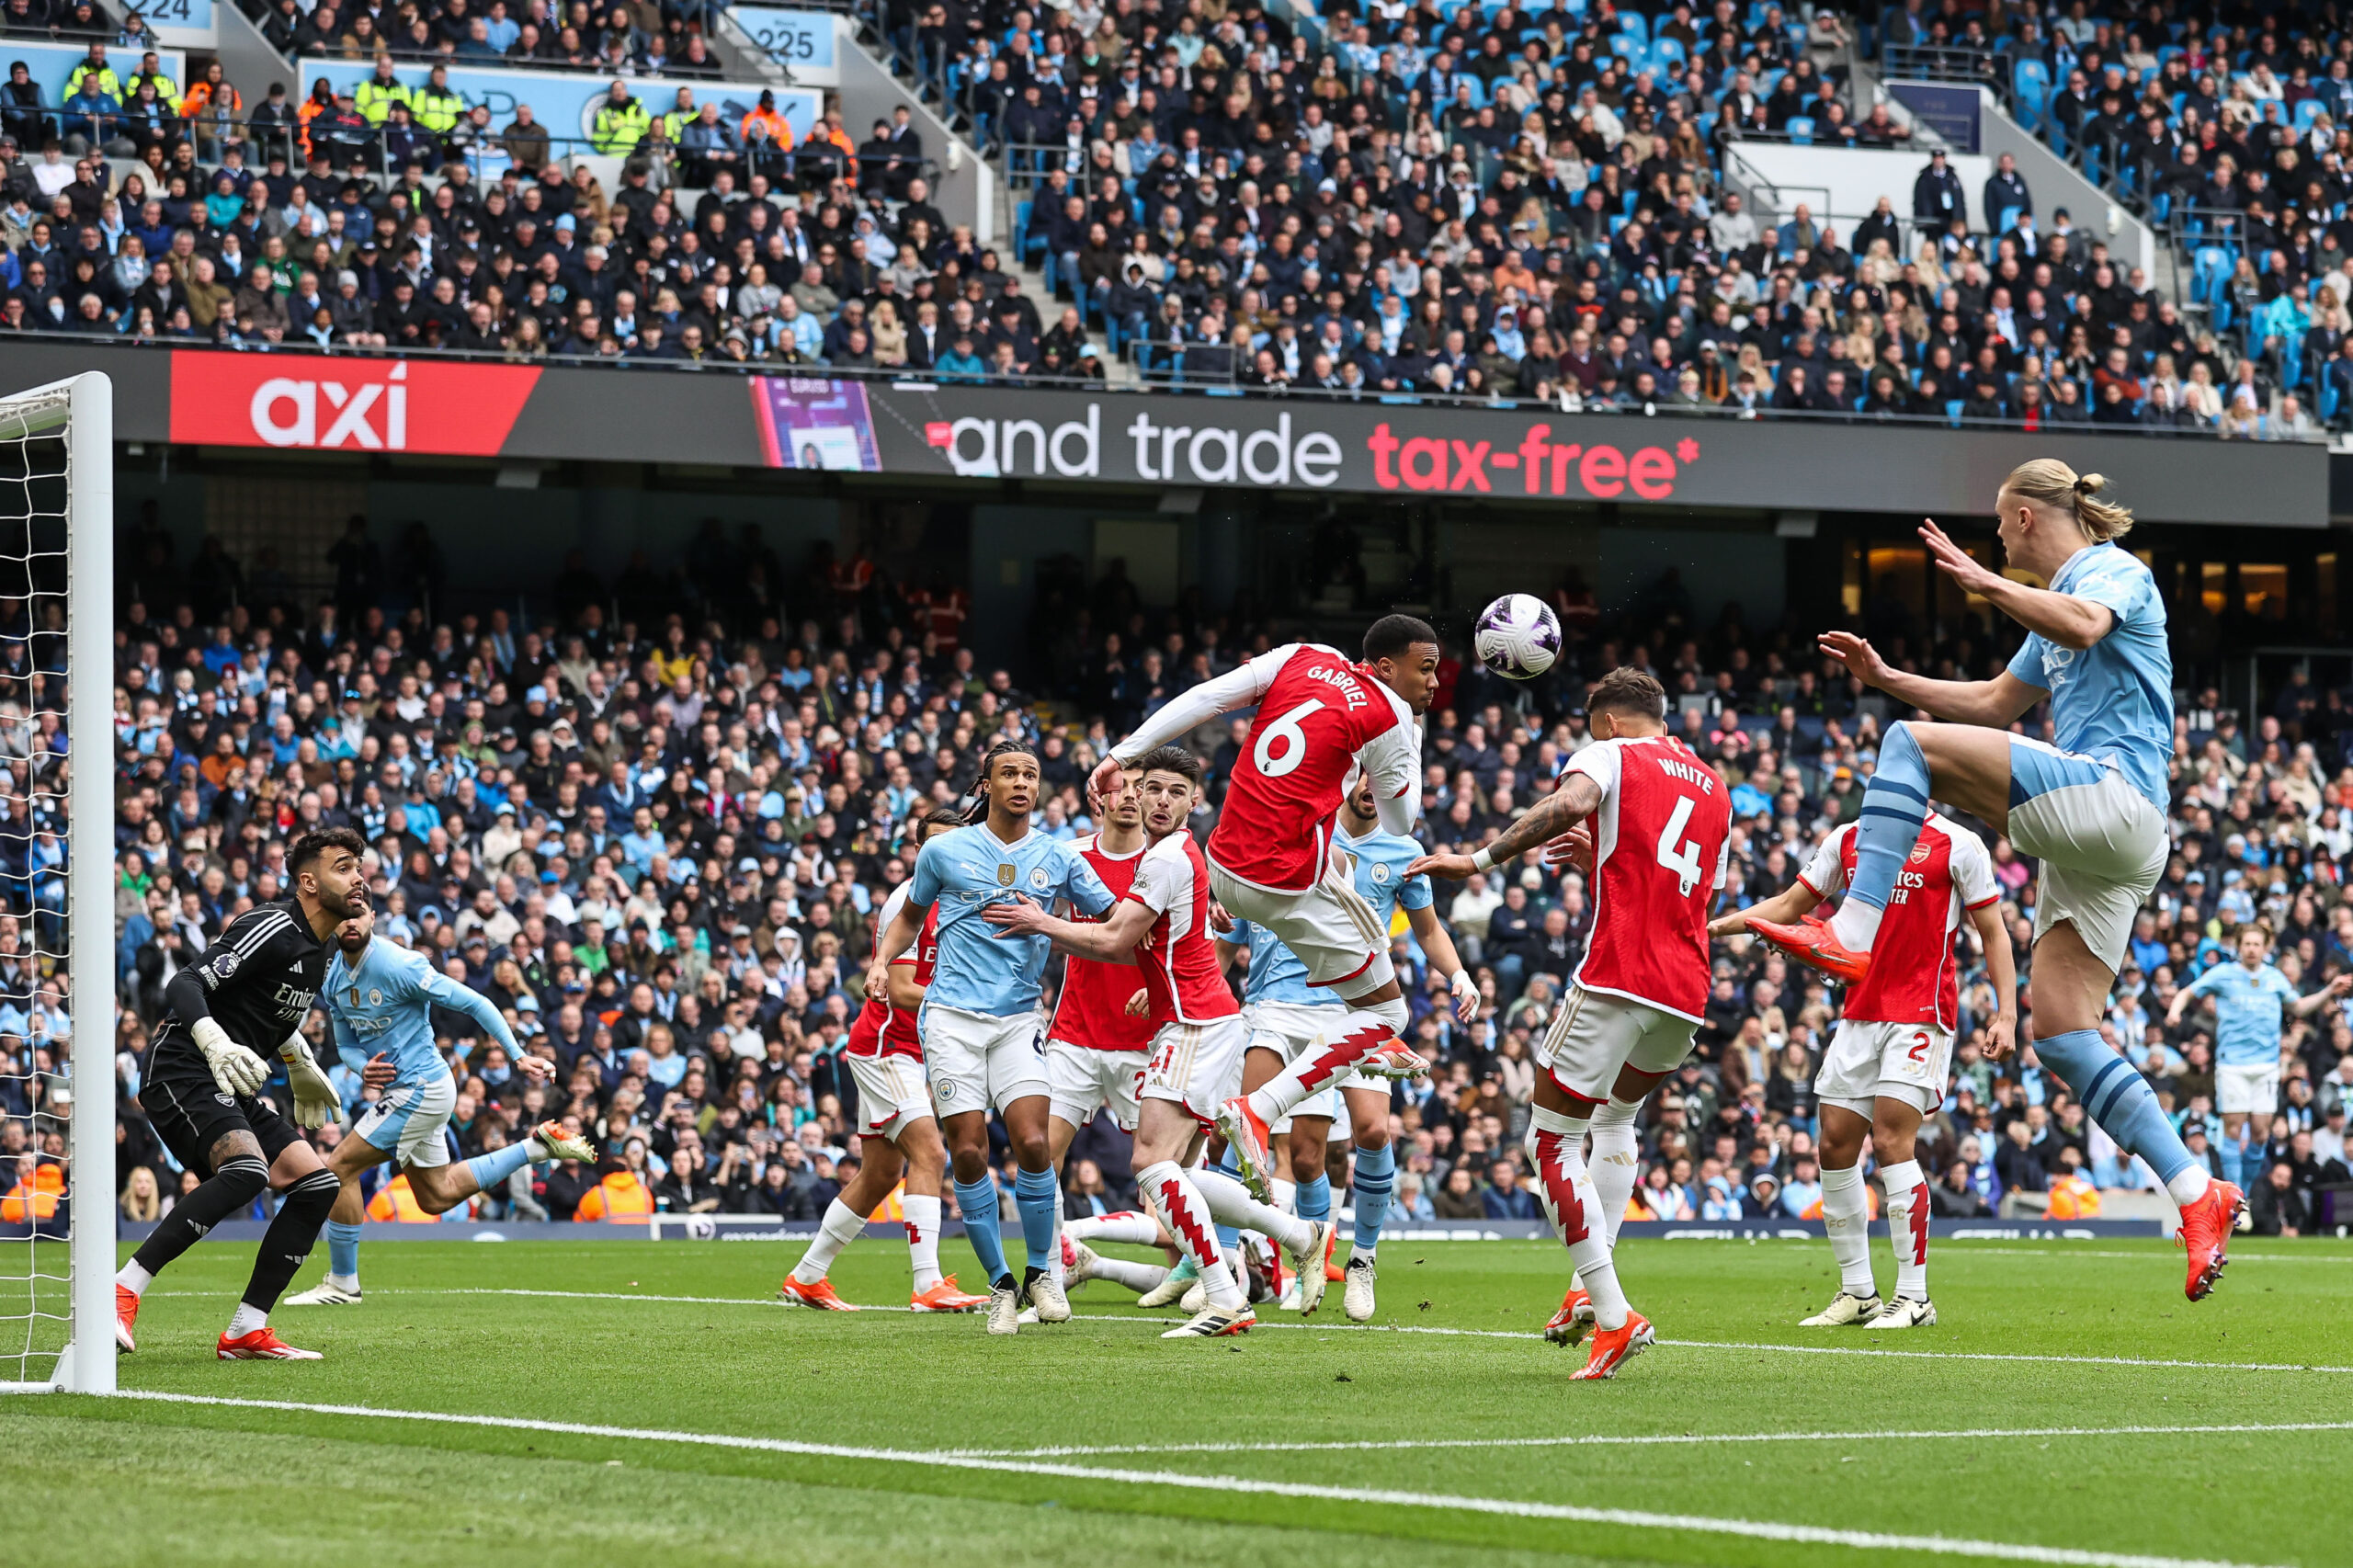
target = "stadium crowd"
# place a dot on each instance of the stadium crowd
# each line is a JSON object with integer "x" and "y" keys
{"x": 652, "y": 828}
{"x": 1424, "y": 201}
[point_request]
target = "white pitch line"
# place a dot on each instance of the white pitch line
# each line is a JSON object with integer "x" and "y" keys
{"x": 1686, "y": 1439}
{"x": 2170, "y": 1252}
{"x": 1443, "y": 1331}
{"x": 1628, "y": 1518}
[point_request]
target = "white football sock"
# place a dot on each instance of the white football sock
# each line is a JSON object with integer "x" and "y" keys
{"x": 1178, "y": 1205}
{"x": 245, "y": 1319}
{"x": 923, "y": 1239}
{"x": 134, "y": 1279}
{"x": 841, "y": 1226}
{"x": 1127, "y": 1227}
{"x": 1136, "y": 1277}
{"x": 1845, "y": 1215}
{"x": 1616, "y": 1162}
{"x": 1286, "y": 1195}
{"x": 2189, "y": 1186}
{"x": 1856, "y": 924}
{"x": 1907, "y": 1226}
{"x": 1230, "y": 1203}
{"x": 344, "y": 1282}
{"x": 1555, "y": 1146}
{"x": 1362, "y": 1028}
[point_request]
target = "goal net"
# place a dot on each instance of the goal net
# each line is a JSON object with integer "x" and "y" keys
{"x": 57, "y": 883}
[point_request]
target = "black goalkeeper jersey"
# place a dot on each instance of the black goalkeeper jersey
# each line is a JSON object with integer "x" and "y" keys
{"x": 259, "y": 978}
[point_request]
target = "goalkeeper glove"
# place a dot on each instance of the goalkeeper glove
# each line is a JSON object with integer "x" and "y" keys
{"x": 235, "y": 1069}
{"x": 317, "y": 1104}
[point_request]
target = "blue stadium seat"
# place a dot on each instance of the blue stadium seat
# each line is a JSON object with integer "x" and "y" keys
{"x": 2306, "y": 112}
{"x": 1666, "y": 51}
{"x": 1634, "y": 25}
{"x": 2009, "y": 220}
{"x": 1953, "y": 407}
{"x": 1635, "y": 49}
{"x": 1802, "y": 130}
{"x": 2030, "y": 84}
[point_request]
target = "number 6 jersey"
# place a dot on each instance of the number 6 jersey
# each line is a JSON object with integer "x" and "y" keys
{"x": 1659, "y": 844}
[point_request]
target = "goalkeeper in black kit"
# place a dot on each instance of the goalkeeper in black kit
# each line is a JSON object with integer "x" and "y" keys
{"x": 246, "y": 999}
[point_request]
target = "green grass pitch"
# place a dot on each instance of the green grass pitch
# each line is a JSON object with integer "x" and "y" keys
{"x": 2071, "y": 1408}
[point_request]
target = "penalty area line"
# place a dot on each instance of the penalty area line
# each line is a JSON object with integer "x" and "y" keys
{"x": 1625, "y": 1519}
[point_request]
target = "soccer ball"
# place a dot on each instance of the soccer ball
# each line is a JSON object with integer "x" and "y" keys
{"x": 1519, "y": 636}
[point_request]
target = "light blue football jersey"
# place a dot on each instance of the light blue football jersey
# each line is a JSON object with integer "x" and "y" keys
{"x": 2114, "y": 699}
{"x": 1275, "y": 976}
{"x": 386, "y": 1007}
{"x": 959, "y": 873}
{"x": 1381, "y": 861}
{"x": 2247, "y": 1006}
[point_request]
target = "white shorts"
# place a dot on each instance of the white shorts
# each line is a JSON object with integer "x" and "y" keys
{"x": 1197, "y": 1066}
{"x": 408, "y": 1121}
{"x": 1083, "y": 1081}
{"x": 1596, "y": 1033}
{"x": 2252, "y": 1089}
{"x": 2102, "y": 844}
{"x": 982, "y": 1063}
{"x": 1869, "y": 1062}
{"x": 1328, "y": 927}
{"x": 891, "y": 1094}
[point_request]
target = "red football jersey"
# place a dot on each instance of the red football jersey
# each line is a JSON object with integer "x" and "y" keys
{"x": 1916, "y": 959}
{"x": 1660, "y": 840}
{"x": 1092, "y": 1010}
{"x": 1177, "y": 955}
{"x": 1319, "y": 715}
{"x": 880, "y": 1028}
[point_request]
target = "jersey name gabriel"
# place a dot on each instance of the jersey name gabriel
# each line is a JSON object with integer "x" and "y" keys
{"x": 1317, "y": 715}
{"x": 1916, "y": 959}
{"x": 1660, "y": 840}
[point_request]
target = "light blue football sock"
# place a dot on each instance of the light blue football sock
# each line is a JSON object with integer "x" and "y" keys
{"x": 1313, "y": 1200}
{"x": 1376, "y": 1177}
{"x": 976, "y": 1201}
{"x": 2117, "y": 1097}
{"x": 1896, "y": 802}
{"x": 2233, "y": 1156}
{"x": 1228, "y": 1237}
{"x": 493, "y": 1169}
{"x": 1039, "y": 1199}
{"x": 343, "y": 1250}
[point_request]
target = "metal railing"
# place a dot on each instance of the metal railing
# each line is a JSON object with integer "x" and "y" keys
{"x": 1210, "y": 380}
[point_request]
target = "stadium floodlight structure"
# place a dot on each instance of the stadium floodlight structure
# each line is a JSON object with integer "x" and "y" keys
{"x": 57, "y": 879}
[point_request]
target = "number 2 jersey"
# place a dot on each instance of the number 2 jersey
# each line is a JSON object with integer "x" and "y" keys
{"x": 1660, "y": 841}
{"x": 1092, "y": 1009}
{"x": 1916, "y": 959}
{"x": 881, "y": 1030}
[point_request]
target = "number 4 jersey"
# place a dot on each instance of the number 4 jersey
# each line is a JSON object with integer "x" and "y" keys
{"x": 1660, "y": 838}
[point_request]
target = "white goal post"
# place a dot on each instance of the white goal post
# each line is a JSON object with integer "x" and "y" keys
{"x": 57, "y": 499}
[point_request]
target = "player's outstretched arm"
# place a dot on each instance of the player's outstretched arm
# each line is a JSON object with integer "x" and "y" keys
{"x": 1112, "y": 939}
{"x": 2064, "y": 619}
{"x": 1576, "y": 798}
{"x": 2305, "y": 1007}
{"x": 2003, "y": 1032}
{"x": 1240, "y": 686}
{"x": 1995, "y": 703}
{"x": 1786, "y": 907}
{"x": 1438, "y": 943}
{"x": 440, "y": 988}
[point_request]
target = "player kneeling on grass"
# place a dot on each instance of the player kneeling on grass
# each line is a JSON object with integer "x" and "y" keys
{"x": 1655, "y": 820}
{"x": 201, "y": 1090}
{"x": 1888, "y": 1064}
{"x": 380, "y": 999}
{"x": 1162, "y": 926}
{"x": 900, "y": 1135}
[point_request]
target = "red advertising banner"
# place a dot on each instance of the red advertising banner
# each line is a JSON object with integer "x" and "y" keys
{"x": 313, "y": 402}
